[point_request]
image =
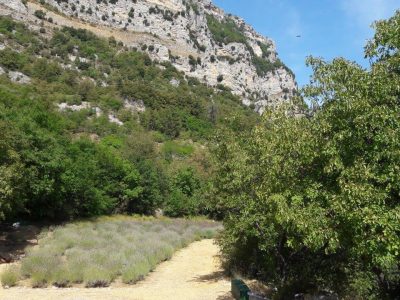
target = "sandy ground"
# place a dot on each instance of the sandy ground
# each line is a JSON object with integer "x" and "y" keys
{"x": 193, "y": 273}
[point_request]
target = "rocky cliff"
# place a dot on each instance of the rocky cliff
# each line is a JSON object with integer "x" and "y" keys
{"x": 197, "y": 37}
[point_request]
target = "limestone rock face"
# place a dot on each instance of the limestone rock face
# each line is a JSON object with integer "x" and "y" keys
{"x": 197, "y": 37}
{"x": 19, "y": 77}
{"x": 15, "y": 5}
{"x": 134, "y": 105}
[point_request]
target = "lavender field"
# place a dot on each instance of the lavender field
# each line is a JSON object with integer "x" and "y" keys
{"x": 96, "y": 253}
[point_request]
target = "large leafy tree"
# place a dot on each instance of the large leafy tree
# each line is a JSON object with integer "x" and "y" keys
{"x": 314, "y": 202}
{"x": 11, "y": 172}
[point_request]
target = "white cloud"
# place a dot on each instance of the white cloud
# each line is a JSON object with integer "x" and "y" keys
{"x": 365, "y": 12}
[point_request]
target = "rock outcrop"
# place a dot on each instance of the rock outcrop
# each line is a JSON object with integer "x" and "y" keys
{"x": 198, "y": 38}
{"x": 19, "y": 77}
{"x": 15, "y": 5}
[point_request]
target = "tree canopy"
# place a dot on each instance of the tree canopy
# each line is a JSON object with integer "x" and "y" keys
{"x": 312, "y": 202}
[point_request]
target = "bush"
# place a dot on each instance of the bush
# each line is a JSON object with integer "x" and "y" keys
{"x": 61, "y": 280}
{"x": 225, "y": 32}
{"x": 263, "y": 66}
{"x": 45, "y": 70}
{"x": 167, "y": 121}
{"x": 9, "y": 277}
{"x": 97, "y": 277}
{"x": 13, "y": 60}
{"x": 184, "y": 197}
{"x": 40, "y": 14}
{"x": 136, "y": 272}
{"x": 18, "y": 32}
{"x": 265, "y": 50}
{"x": 172, "y": 148}
{"x": 179, "y": 204}
{"x": 192, "y": 61}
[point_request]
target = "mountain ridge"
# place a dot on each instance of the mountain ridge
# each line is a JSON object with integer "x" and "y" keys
{"x": 197, "y": 37}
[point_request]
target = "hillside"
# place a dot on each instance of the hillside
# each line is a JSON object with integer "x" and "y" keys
{"x": 90, "y": 126}
{"x": 101, "y": 116}
{"x": 195, "y": 36}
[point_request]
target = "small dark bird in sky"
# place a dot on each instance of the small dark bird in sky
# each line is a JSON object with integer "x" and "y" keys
{"x": 298, "y": 36}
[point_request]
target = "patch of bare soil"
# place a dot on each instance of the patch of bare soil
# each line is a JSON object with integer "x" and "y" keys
{"x": 193, "y": 273}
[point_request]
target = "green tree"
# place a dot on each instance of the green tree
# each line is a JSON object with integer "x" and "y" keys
{"x": 183, "y": 199}
{"x": 11, "y": 173}
{"x": 313, "y": 202}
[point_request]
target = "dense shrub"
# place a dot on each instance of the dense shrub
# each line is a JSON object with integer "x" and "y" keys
{"x": 17, "y": 31}
{"x": 263, "y": 66}
{"x": 13, "y": 60}
{"x": 226, "y": 31}
{"x": 40, "y": 14}
{"x": 187, "y": 194}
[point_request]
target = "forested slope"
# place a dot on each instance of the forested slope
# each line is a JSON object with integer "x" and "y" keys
{"x": 89, "y": 127}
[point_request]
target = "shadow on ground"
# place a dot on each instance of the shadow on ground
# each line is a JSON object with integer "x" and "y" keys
{"x": 213, "y": 277}
{"x": 13, "y": 241}
{"x": 227, "y": 296}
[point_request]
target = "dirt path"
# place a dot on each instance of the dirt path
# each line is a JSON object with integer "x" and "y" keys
{"x": 193, "y": 273}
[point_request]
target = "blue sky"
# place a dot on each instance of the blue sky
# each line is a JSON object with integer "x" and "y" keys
{"x": 328, "y": 28}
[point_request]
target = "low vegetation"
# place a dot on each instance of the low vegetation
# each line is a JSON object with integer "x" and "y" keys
{"x": 225, "y": 32}
{"x": 98, "y": 252}
{"x": 9, "y": 277}
{"x": 264, "y": 66}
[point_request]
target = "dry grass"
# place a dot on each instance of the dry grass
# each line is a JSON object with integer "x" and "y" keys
{"x": 98, "y": 252}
